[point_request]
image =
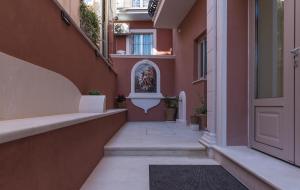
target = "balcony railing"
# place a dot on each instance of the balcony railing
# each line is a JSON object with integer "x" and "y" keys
{"x": 152, "y": 6}
{"x": 138, "y": 4}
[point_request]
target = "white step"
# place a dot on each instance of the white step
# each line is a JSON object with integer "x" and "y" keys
{"x": 199, "y": 151}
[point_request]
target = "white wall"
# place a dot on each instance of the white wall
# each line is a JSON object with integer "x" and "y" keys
{"x": 27, "y": 90}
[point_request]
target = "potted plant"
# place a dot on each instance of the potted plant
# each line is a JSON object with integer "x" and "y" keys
{"x": 172, "y": 105}
{"x": 202, "y": 114}
{"x": 94, "y": 93}
{"x": 194, "y": 122}
{"x": 121, "y": 101}
{"x": 92, "y": 102}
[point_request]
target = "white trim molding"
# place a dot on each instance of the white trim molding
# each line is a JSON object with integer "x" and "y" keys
{"x": 142, "y": 31}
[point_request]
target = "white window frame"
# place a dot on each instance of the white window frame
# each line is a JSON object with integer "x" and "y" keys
{"x": 141, "y": 4}
{"x": 201, "y": 50}
{"x": 141, "y": 31}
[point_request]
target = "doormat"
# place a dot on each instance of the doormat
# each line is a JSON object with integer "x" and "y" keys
{"x": 189, "y": 177}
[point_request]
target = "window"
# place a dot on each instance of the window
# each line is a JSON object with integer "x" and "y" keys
{"x": 140, "y": 3}
{"x": 201, "y": 62}
{"x": 141, "y": 42}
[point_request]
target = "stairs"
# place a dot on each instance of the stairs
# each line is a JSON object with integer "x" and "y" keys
{"x": 139, "y": 144}
{"x": 156, "y": 139}
{"x": 199, "y": 152}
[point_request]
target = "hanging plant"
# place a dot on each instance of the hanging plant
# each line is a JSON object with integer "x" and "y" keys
{"x": 89, "y": 23}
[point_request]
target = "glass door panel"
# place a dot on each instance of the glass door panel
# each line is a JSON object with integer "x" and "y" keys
{"x": 269, "y": 48}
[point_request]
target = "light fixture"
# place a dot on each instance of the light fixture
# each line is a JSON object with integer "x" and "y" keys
{"x": 65, "y": 18}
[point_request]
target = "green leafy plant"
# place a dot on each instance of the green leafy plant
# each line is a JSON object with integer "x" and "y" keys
{"x": 171, "y": 102}
{"x": 94, "y": 93}
{"x": 89, "y": 23}
{"x": 203, "y": 107}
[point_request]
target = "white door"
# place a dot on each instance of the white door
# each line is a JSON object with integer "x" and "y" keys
{"x": 297, "y": 82}
{"x": 273, "y": 103}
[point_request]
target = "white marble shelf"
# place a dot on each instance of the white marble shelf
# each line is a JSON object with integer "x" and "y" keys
{"x": 19, "y": 128}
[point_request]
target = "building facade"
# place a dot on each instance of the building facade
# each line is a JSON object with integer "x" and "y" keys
{"x": 134, "y": 40}
{"x": 252, "y": 57}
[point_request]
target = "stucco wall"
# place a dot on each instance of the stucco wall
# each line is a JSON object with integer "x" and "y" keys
{"x": 188, "y": 31}
{"x": 34, "y": 31}
{"x": 237, "y": 73}
{"x": 123, "y": 67}
{"x": 61, "y": 159}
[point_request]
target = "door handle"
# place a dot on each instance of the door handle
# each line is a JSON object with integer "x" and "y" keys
{"x": 295, "y": 51}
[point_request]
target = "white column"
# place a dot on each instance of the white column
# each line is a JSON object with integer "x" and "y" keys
{"x": 216, "y": 73}
{"x": 209, "y": 137}
{"x": 221, "y": 95}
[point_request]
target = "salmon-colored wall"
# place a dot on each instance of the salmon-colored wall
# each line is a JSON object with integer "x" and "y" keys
{"x": 123, "y": 67}
{"x": 192, "y": 27}
{"x": 61, "y": 159}
{"x": 237, "y": 73}
{"x": 164, "y": 36}
{"x": 34, "y": 31}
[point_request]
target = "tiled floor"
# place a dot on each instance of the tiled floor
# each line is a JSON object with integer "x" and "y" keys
{"x": 123, "y": 172}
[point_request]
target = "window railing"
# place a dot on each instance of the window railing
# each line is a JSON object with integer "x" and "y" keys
{"x": 152, "y": 6}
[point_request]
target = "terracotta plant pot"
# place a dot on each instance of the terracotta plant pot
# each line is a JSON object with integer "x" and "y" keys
{"x": 203, "y": 121}
{"x": 171, "y": 114}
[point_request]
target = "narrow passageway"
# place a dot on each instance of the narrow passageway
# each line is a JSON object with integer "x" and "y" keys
{"x": 140, "y": 144}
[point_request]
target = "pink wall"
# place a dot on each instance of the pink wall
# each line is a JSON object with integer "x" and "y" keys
{"x": 189, "y": 30}
{"x": 237, "y": 73}
{"x": 38, "y": 35}
{"x": 57, "y": 160}
{"x": 123, "y": 67}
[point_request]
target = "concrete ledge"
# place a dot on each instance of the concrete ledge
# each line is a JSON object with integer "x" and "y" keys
{"x": 257, "y": 170}
{"x": 16, "y": 129}
{"x": 143, "y": 56}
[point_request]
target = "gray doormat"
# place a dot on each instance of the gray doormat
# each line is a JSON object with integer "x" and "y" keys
{"x": 212, "y": 177}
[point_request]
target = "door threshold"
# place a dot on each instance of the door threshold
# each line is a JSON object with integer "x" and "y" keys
{"x": 255, "y": 169}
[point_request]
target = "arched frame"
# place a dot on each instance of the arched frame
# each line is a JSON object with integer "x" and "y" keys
{"x": 145, "y": 94}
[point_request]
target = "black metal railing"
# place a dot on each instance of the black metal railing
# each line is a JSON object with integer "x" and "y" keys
{"x": 152, "y": 7}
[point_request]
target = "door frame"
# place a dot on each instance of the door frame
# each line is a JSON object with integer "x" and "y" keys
{"x": 290, "y": 157}
{"x": 297, "y": 87}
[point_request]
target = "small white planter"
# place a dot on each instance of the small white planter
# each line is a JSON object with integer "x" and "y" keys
{"x": 92, "y": 104}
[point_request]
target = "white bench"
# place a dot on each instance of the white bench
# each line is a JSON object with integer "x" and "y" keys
{"x": 35, "y": 100}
